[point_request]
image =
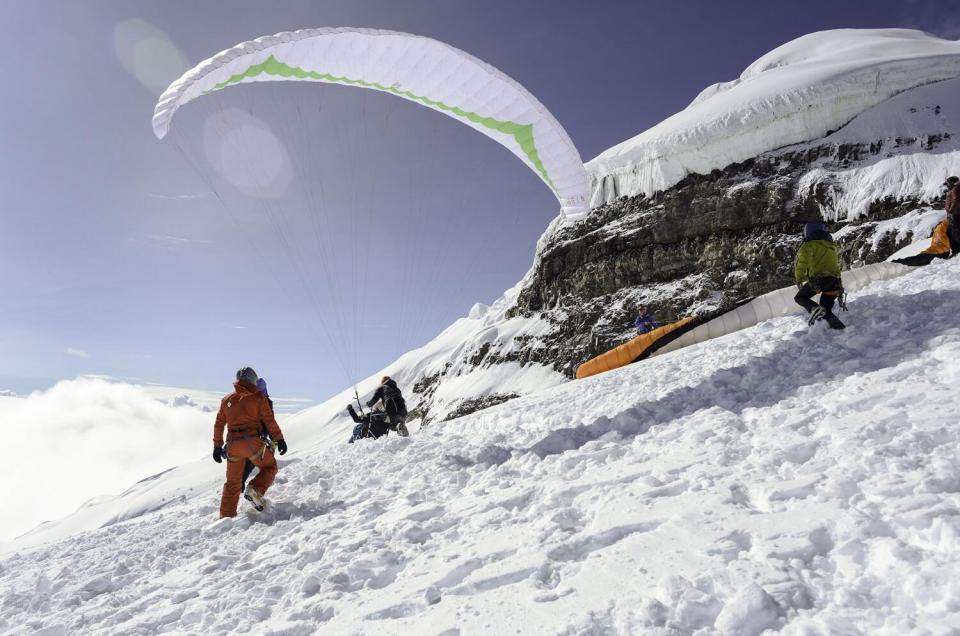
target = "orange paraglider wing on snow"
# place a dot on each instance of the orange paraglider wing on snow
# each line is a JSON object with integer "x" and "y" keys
{"x": 630, "y": 351}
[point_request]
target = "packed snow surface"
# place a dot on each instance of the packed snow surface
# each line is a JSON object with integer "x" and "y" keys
{"x": 798, "y": 92}
{"x": 780, "y": 478}
{"x": 450, "y": 353}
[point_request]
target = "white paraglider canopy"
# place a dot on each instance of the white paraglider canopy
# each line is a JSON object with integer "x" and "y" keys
{"x": 416, "y": 68}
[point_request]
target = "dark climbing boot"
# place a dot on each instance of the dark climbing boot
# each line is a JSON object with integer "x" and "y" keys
{"x": 816, "y": 315}
{"x": 834, "y": 322}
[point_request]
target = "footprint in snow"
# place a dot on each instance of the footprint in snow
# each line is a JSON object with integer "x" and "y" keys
{"x": 459, "y": 573}
{"x": 580, "y": 549}
{"x": 740, "y": 497}
{"x": 670, "y": 490}
{"x": 801, "y": 453}
{"x": 493, "y": 582}
{"x": 425, "y": 514}
{"x": 401, "y": 610}
{"x": 729, "y": 547}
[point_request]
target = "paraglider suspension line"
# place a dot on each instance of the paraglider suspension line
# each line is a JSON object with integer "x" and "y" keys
{"x": 356, "y": 396}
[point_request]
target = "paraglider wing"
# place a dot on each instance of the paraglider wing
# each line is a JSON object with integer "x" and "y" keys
{"x": 416, "y": 68}
{"x": 635, "y": 349}
{"x": 775, "y": 304}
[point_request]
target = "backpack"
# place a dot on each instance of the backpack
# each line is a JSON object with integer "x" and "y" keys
{"x": 375, "y": 425}
{"x": 393, "y": 403}
{"x": 953, "y": 206}
{"x": 953, "y": 235}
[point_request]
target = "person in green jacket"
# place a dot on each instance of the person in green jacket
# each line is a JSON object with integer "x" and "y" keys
{"x": 818, "y": 272}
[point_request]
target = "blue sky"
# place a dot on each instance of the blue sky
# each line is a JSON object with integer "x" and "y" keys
{"x": 116, "y": 260}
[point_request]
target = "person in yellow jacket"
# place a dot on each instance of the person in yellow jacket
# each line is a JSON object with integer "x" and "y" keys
{"x": 945, "y": 241}
{"x": 817, "y": 271}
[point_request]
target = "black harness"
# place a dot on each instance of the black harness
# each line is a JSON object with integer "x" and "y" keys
{"x": 953, "y": 234}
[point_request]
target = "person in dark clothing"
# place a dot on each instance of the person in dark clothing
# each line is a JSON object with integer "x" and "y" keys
{"x": 264, "y": 435}
{"x": 388, "y": 412}
{"x": 945, "y": 241}
{"x": 645, "y": 322}
{"x": 372, "y": 424}
{"x": 389, "y": 399}
{"x": 817, "y": 271}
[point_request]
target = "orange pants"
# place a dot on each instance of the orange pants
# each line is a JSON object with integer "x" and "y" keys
{"x": 237, "y": 452}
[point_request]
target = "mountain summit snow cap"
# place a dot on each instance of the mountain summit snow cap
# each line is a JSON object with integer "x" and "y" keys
{"x": 248, "y": 375}
{"x": 797, "y": 93}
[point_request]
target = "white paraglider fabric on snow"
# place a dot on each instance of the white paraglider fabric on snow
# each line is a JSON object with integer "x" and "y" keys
{"x": 777, "y": 303}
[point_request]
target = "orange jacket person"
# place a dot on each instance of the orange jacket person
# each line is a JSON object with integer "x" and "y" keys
{"x": 241, "y": 412}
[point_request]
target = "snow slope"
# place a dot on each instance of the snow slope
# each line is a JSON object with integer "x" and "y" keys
{"x": 798, "y": 92}
{"x": 326, "y": 425}
{"x": 785, "y": 478}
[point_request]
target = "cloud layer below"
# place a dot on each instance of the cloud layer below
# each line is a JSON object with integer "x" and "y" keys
{"x": 89, "y": 437}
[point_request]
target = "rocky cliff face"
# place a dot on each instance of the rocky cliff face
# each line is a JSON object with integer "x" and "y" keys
{"x": 702, "y": 244}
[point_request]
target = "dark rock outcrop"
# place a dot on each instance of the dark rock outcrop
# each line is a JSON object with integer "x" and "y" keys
{"x": 702, "y": 244}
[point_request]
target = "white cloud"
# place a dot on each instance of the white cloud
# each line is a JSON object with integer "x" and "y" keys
{"x": 77, "y": 353}
{"x": 183, "y": 399}
{"x": 88, "y": 437}
{"x": 179, "y": 197}
{"x": 202, "y": 398}
{"x": 176, "y": 241}
{"x": 171, "y": 395}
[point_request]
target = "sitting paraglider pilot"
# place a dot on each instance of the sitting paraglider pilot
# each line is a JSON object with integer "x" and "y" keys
{"x": 390, "y": 401}
{"x": 388, "y": 412}
{"x": 644, "y": 322}
{"x": 372, "y": 424}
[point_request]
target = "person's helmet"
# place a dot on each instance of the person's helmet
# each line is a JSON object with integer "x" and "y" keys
{"x": 809, "y": 229}
{"x": 262, "y": 385}
{"x": 384, "y": 379}
{"x": 952, "y": 181}
{"x": 248, "y": 375}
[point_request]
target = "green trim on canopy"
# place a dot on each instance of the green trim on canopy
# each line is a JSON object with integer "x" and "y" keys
{"x": 522, "y": 133}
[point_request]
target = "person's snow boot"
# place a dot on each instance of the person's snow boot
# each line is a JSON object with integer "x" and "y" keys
{"x": 834, "y": 322}
{"x": 402, "y": 430}
{"x": 255, "y": 498}
{"x": 815, "y": 315}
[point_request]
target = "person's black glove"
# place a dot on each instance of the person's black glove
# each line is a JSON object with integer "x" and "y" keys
{"x": 282, "y": 447}
{"x": 217, "y": 454}
{"x": 350, "y": 408}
